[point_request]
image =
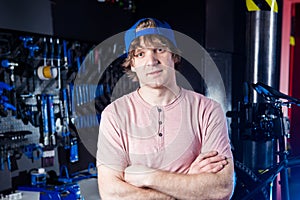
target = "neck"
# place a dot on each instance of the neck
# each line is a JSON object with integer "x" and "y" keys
{"x": 159, "y": 96}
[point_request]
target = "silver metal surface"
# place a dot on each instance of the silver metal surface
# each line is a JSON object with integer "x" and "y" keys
{"x": 261, "y": 38}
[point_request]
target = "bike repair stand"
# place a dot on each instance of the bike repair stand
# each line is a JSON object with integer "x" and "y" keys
{"x": 281, "y": 160}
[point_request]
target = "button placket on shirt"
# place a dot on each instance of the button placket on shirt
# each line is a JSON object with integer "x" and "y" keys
{"x": 160, "y": 127}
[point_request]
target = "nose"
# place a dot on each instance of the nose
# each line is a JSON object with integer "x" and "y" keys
{"x": 151, "y": 58}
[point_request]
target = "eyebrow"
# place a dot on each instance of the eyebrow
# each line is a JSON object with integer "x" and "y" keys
{"x": 154, "y": 47}
{"x": 138, "y": 50}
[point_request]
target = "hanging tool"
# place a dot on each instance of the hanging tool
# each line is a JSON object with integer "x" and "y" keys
{"x": 45, "y": 127}
{"x": 8, "y": 160}
{"x": 33, "y": 151}
{"x": 46, "y": 72}
{"x": 32, "y": 48}
{"x": 74, "y": 150}
{"x": 45, "y": 51}
{"x": 4, "y": 101}
{"x": 64, "y": 108}
{"x": 58, "y": 64}
{"x": 51, "y": 120}
{"x": 1, "y": 159}
{"x": 11, "y": 67}
{"x": 6, "y": 64}
{"x": 25, "y": 40}
{"x": 66, "y": 64}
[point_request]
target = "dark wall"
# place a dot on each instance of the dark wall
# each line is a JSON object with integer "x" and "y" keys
{"x": 239, "y": 53}
{"x": 187, "y": 16}
{"x": 88, "y": 20}
{"x": 219, "y": 25}
{"x": 29, "y": 16}
{"x": 96, "y": 21}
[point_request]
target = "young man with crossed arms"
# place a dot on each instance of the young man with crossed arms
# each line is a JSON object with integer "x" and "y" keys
{"x": 162, "y": 141}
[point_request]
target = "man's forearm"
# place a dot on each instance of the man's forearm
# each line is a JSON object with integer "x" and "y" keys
{"x": 113, "y": 187}
{"x": 197, "y": 186}
{"x": 127, "y": 191}
{"x": 201, "y": 186}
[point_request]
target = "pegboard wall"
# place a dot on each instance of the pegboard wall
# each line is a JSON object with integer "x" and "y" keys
{"x": 38, "y": 102}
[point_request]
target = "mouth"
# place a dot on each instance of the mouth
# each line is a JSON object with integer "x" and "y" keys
{"x": 154, "y": 72}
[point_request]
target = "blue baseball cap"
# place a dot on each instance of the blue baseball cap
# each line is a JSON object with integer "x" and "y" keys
{"x": 162, "y": 28}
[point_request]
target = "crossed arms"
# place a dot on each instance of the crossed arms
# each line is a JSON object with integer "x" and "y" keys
{"x": 211, "y": 176}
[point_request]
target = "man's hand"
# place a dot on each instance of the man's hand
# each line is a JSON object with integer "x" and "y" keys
{"x": 208, "y": 162}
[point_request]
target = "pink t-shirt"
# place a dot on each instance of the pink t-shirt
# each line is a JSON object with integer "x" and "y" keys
{"x": 170, "y": 137}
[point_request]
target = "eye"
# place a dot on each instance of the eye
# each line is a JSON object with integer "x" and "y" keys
{"x": 139, "y": 54}
{"x": 160, "y": 50}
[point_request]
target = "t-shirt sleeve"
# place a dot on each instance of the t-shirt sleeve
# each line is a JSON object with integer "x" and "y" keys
{"x": 110, "y": 147}
{"x": 216, "y": 135}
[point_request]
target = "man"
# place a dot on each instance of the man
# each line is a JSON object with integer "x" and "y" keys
{"x": 162, "y": 141}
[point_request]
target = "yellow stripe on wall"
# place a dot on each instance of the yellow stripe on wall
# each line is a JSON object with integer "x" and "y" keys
{"x": 273, "y": 5}
{"x": 251, "y": 6}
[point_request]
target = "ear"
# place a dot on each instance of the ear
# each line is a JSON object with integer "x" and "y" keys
{"x": 175, "y": 58}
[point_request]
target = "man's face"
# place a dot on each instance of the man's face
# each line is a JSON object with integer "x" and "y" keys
{"x": 154, "y": 66}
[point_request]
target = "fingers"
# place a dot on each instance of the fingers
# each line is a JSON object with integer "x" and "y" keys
{"x": 209, "y": 154}
{"x": 210, "y": 166}
{"x": 215, "y": 167}
{"x": 208, "y": 158}
{"x": 208, "y": 162}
